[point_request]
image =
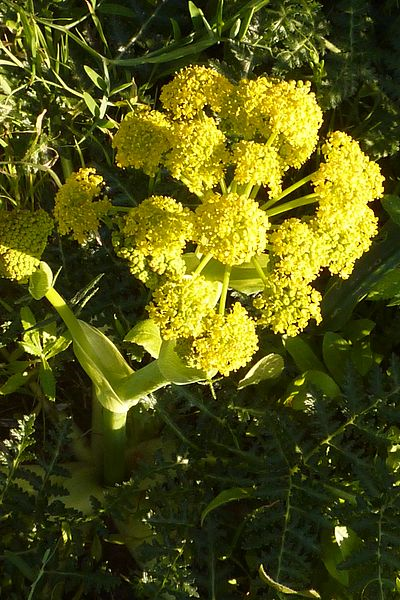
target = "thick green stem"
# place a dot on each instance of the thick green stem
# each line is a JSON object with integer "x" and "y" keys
{"x": 203, "y": 262}
{"x": 303, "y": 201}
{"x": 259, "y": 269}
{"x": 64, "y": 311}
{"x": 114, "y": 446}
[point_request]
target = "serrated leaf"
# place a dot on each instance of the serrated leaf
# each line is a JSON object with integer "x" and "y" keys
{"x": 268, "y": 367}
{"x": 40, "y": 281}
{"x": 224, "y": 497}
{"x": 146, "y": 334}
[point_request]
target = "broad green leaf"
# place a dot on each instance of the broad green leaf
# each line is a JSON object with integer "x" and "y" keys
{"x": 359, "y": 329}
{"x": 387, "y": 287}
{"x": 110, "y": 8}
{"x": 342, "y": 296}
{"x": 299, "y": 391}
{"x": 174, "y": 369}
{"x": 146, "y": 334}
{"x": 224, "y": 497}
{"x": 302, "y": 354}
{"x": 391, "y": 204}
{"x": 244, "y": 278}
{"x": 362, "y": 356}
{"x": 96, "y": 78}
{"x": 13, "y": 383}
{"x": 284, "y": 589}
{"x": 91, "y": 104}
{"x": 40, "y": 281}
{"x": 268, "y": 367}
{"x": 104, "y": 364}
{"x": 47, "y": 380}
{"x": 336, "y": 353}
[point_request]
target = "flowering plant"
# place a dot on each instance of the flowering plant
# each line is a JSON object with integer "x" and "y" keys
{"x": 231, "y": 145}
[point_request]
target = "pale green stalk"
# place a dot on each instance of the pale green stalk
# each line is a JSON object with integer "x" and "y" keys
{"x": 303, "y": 201}
{"x": 224, "y": 291}
{"x": 202, "y": 264}
{"x": 256, "y": 264}
{"x": 287, "y": 191}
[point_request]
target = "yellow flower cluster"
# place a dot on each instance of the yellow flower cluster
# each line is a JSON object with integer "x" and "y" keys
{"x": 152, "y": 237}
{"x": 287, "y": 306}
{"x": 23, "y": 238}
{"x": 347, "y": 177}
{"x": 198, "y": 157}
{"x": 258, "y": 164}
{"x": 286, "y": 112}
{"x": 76, "y": 209}
{"x": 227, "y": 343}
{"x": 192, "y": 89}
{"x": 179, "y": 307}
{"x": 231, "y": 228}
{"x": 345, "y": 183}
{"x": 345, "y": 244}
{"x": 299, "y": 253}
{"x": 142, "y": 140}
{"x": 224, "y": 141}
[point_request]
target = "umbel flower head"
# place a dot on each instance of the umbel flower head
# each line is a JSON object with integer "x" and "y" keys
{"x": 192, "y": 89}
{"x": 179, "y": 307}
{"x": 77, "y": 209}
{"x": 23, "y": 238}
{"x": 231, "y": 228}
{"x": 152, "y": 237}
{"x": 231, "y": 145}
{"x": 226, "y": 343}
{"x": 142, "y": 140}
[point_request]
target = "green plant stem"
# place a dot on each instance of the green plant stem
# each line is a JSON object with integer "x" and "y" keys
{"x": 114, "y": 446}
{"x": 256, "y": 264}
{"x": 224, "y": 291}
{"x": 303, "y": 201}
{"x": 203, "y": 262}
{"x": 288, "y": 191}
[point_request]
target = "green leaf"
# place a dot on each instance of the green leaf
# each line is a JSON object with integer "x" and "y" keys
{"x": 302, "y": 354}
{"x": 336, "y": 353}
{"x": 13, "y": 383}
{"x": 391, "y": 204}
{"x": 198, "y": 19}
{"x": 47, "y": 380}
{"x": 268, "y": 367}
{"x": 40, "y": 281}
{"x": 104, "y": 364}
{"x": 224, "y": 497}
{"x": 284, "y": 589}
{"x": 109, "y": 8}
{"x": 96, "y": 78}
{"x": 91, "y": 104}
{"x": 387, "y": 287}
{"x": 146, "y": 334}
{"x": 299, "y": 391}
{"x": 174, "y": 369}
